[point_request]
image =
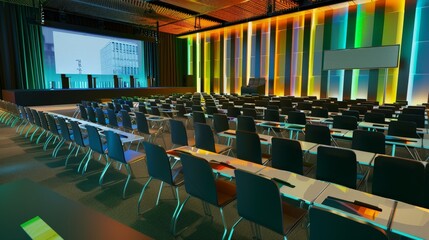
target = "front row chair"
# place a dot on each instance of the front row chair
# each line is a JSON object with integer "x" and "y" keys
{"x": 259, "y": 201}
{"x": 158, "y": 166}
{"x": 399, "y": 178}
{"x": 80, "y": 141}
{"x": 117, "y": 153}
{"x": 330, "y": 224}
{"x": 201, "y": 183}
{"x": 95, "y": 145}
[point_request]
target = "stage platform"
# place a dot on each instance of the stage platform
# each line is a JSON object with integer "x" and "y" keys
{"x": 67, "y": 96}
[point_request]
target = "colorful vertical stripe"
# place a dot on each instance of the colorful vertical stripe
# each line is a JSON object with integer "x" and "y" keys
{"x": 288, "y": 50}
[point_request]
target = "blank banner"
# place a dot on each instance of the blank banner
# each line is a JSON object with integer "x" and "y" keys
{"x": 361, "y": 58}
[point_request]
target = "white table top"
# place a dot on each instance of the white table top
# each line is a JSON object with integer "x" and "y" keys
{"x": 225, "y": 171}
{"x": 266, "y": 139}
{"x": 382, "y": 219}
{"x": 306, "y": 189}
{"x": 404, "y": 141}
{"x": 411, "y": 221}
{"x": 125, "y": 136}
{"x": 384, "y": 126}
{"x": 338, "y": 132}
{"x": 426, "y": 143}
{"x": 150, "y": 117}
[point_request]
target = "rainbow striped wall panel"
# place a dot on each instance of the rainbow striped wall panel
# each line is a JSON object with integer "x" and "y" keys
{"x": 288, "y": 50}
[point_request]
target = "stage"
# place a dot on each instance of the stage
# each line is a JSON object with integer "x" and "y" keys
{"x": 66, "y": 96}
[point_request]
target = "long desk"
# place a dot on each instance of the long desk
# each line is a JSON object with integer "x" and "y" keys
{"x": 304, "y": 188}
{"x": 397, "y": 217}
{"x": 23, "y": 200}
{"x": 382, "y": 219}
{"x": 411, "y": 221}
{"x": 126, "y": 137}
{"x": 266, "y": 139}
{"x": 224, "y": 170}
{"x": 397, "y": 141}
{"x": 383, "y": 126}
{"x": 292, "y": 127}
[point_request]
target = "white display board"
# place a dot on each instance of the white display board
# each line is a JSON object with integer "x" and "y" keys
{"x": 361, "y": 58}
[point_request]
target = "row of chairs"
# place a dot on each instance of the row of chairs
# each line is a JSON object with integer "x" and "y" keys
{"x": 141, "y": 125}
{"x": 258, "y": 198}
{"x": 334, "y": 164}
{"x": 57, "y": 130}
{"x": 249, "y": 201}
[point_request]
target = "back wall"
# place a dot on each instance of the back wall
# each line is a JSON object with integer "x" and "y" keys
{"x": 288, "y": 50}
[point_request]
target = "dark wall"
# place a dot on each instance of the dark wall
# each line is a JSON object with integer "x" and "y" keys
{"x": 52, "y": 97}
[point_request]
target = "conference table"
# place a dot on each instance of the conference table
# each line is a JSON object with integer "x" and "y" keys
{"x": 411, "y": 221}
{"x": 266, "y": 139}
{"x": 384, "y": 126}
{"x": 400, "y": 141}
{"x": 388, "y": 214}
{"x": 23, "y": 200}
{"x": 221, "y": 164}
{"x": 297, "y": 187}
{"x": 293, "y": 127}
{"x": 126, "y": 137}
{"x": 380, "y": 218}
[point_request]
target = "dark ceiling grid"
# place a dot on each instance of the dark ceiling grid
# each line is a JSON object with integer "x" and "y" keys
{"x": 176, "y": 16}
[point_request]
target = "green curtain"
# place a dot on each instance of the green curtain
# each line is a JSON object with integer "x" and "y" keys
{"x": 21, "y": 48}
{"x": 150, "y": 55}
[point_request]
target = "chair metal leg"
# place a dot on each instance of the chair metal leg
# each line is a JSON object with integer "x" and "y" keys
{"x": 87, "y": 163}
{"x": 20, "y": 125}
{"x": 176, "y": 209}
{"x": 100, "y": 181}
{"x": 207, "y": 210}
{"x": 178, "y": 213}
{"x": 159, "y": 192}
{"x": 225, "y": 228}
{"x": 45, "y": 146}
{"x": 57, "y": 148}
{"x": 127, "y": 166}
{"x": 87, "y": 155}
{"x": 28, "y": 130}
{"x": 393, "y": 150}
{"x": 258, "y": 231}
{"x": 77, "y": 151}
{"x": 141, "y": 194}
{"x": 233, "y": 228}
{"x": 23, "y": 127}
{"x": 34, "y": 133}
{"x": 40, "y": 136}
{"x": 70, "y": 153}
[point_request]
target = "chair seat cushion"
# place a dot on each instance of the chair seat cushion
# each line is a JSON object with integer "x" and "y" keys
{"x": 226, "y": 192}
{"x": 220, "y": 148}
{"x": 177, "y": 174}
{"x": 133, "y": 156}
{"x": 265, "y": 158}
